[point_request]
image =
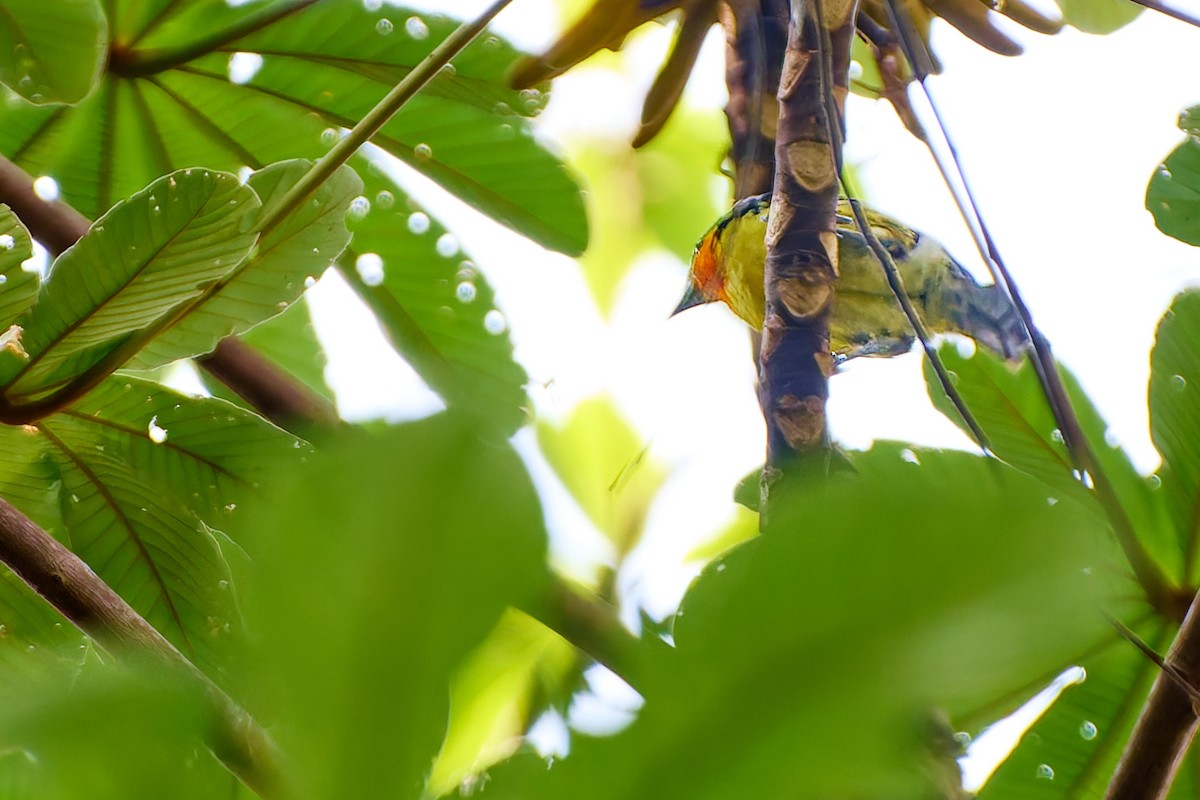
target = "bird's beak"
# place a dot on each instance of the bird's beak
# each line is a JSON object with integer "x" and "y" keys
{"x": 692, "y": 296}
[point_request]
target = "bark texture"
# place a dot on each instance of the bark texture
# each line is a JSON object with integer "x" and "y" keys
{"x": 801, "y": 266}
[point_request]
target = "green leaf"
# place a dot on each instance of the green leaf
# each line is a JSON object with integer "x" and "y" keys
{"x": 831, "y": 623}
{"x": 18, "y": 288}
{"x": 151, "y": 254}
{"x": 144, "y": 476}
{"x": 493, "y": 696}
{"x": 377, "y": 575}
{"x": 290, "y": 341}
{"x": 604, "y": 465}
{"x": 436, "y": 308}
{"x": 1072, "y": 750}
{"x": 277, "y": 272}
{"x": 167, "y": 102}
{"x": 1008, "y": 403}
{"x": 1011, "y": 407}
{"x": 108, "y": 733}
{"x": 1098, "y": 16}
{"x": 1175, "y": 420}
{"x": 1189, "y": 121}
{"x": 52, "y": 51}
{"x": 1173, "y": 196}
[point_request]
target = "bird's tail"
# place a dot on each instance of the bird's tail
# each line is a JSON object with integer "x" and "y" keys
{"x": 985, "y": 313}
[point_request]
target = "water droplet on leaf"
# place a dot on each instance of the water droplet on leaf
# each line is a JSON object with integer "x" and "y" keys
{"x": 494, "y": 322}
{"x": 416, "y": 28}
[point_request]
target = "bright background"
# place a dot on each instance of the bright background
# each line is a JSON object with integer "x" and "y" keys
{"x": 1058, "y": 144}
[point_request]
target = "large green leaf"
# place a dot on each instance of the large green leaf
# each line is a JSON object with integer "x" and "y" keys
{"x": 149, "y": 255}
{"x": 1173, "y": 195}
{"x": 52, "y": 51}
{"x": 436, "y": 308}
{"x": 277, "y": 272}
{"x": 1175, "y": 420}
{"x": 804, "y": 657}
{"x": 1073, "y": 748}
{"x": 142, "y": 476}
{"x": 381, "y": 568}
{"x": 1010, "y": 405}
{"x": 104, "y": 731}
{"x": 167, "y": 101}
{"x": 18, "y": 287}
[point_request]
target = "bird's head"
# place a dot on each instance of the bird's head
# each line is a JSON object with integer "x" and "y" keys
{"x": 705, "y": 281}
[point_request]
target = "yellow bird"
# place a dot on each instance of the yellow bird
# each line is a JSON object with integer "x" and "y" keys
{"x": 867, "y": 320}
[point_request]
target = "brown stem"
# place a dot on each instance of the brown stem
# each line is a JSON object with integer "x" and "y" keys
{"x": 1168, "y": 721}
{"x": 801, "y": 265}
{"x": 592, "y": 625}
{"x": 68, "y": 584}
{"x": 274, "y": 393}
{"x": 1177, "y": 13}
{"x": 755, "y": 38}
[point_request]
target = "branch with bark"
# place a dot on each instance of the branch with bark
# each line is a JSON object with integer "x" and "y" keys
{"x": 802, "y": 252}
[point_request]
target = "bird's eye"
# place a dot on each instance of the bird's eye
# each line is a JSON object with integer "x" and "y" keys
{"x": 895, "y": 249}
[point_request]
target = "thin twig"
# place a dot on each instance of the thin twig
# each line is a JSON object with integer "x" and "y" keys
{"x": 375, "y": 119}
{"x": 1149, "y": 575}
{"x": 837, "y": 135}
{"x": 1183, "y": 681}
{"x": 1167, "y": 724}
{"x": 1170, "y": 11}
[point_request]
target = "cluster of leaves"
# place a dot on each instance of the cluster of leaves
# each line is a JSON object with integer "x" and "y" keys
{"x": 338, "y": 593}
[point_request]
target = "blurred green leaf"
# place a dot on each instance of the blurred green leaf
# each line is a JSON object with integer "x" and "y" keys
{"x": 1098, "y": 16}
{"x": 202, "y": 83}
{"x": 1175, "y": 420}
{"x": 148, "y": 255}
{"x": 436, "y": 308}
{"x": 109, "y": 733}
{"x": 654, "y": 197}
{"x": 381, "y": 566}
{"x": 1173, "y": 195}
{"x": 1010, "y": 405}
{"x": 744, "y": 527}
{"x": 492, "y": 697}
{"x": 679, "y": 200}
{"x": 52, "y": 51}
{"x": 864, "y": 604}
{"x": 605, "y": 466}
{"x": 18, "y": 288}
{"x": 275, "y": 274}
{"x": 869, "y": 82}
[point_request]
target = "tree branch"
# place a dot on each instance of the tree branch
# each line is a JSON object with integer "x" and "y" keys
{"x": 755, "y": 40}
{"x": 591, "y": 625}
{"x": 802, "y": 257}
{"x": 68, "y": 584}
{"x": 1164, "y": 730}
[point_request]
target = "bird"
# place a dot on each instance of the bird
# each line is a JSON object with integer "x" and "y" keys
{"x": 729, "y": 260}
